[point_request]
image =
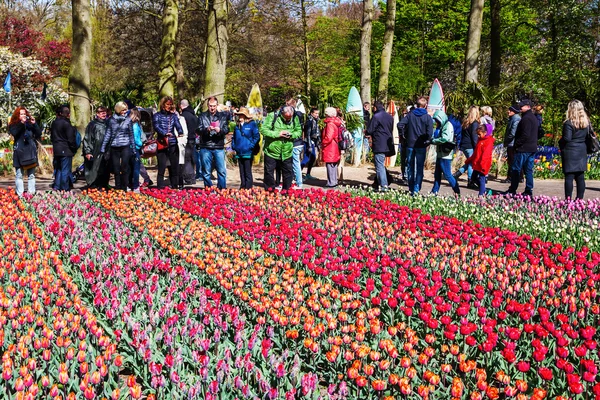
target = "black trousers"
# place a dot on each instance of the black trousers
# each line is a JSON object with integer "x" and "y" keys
{"x": 170, "y": 154}
{"x": 579, "y": 178}
{"x": 188, "y": 175}
{"x": 121, "y": 157}
{"x": 245, "y": 165}
{"x": 286, "y": 170}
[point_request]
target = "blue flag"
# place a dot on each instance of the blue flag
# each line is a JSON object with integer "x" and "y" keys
{"x": 7, "y": 83}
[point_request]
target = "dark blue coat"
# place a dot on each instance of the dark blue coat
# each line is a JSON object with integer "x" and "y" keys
{"x": 380, "y": 129}
{"x": 166, "y": 122}
{"x": 417, "y": 126}
{"x": 245, "y": 137}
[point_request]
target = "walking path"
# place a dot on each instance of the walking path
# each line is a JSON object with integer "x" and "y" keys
{"x": 356, "y": 177}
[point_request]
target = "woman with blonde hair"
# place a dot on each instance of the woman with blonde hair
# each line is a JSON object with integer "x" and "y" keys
{"x": 573, "y": 149}
{"x": 486, "y": 116}
{"x": 121, "y": 144}
{"x": 470, "y": 138}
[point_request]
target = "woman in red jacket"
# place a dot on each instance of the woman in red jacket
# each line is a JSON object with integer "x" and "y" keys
{"x": 331, "y": 150}
{"x": 481, "y": 160}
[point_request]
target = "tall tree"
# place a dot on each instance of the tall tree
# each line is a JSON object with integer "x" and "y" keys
{"x": 495, "y": 43}
{"x": 473, "y": 40}
{"x": 216, "y": 49}
{"x": 79, "y": 77}
{"x": 365, "y": 50}
{"x": 386, "y": 52}
{"x": 306, "y": 57}
{"x": 167, "y": 73}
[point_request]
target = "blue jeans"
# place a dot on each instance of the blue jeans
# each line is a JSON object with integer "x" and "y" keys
{"x": 444, "y": 166}
{"x": 480, "y": 177}
{"x": 468, "y": 153}
{"x": 198, "y": 164}
{"x": 380, "y": 169}
{"x": 216, "y": 157}
{"x": 63, "y": 173}
{"x": 523, "y": 161}
{"x": 416, "y": 162}
{"x": 20, "y": 186}
{"x": 136, "y": 164}
{"x": 297, "y": 165}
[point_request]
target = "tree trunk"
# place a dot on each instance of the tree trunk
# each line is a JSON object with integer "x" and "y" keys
{"x": 495, "y": 43}
{"x": 365, "y": 51}
{"x": 180, "y": 71}
{"x": 306, "y": 60}
{"x": 386, "y": 52}
{"x": 216, "y": 50}
{"x": 473, "y": 41}
{"x": 81, "y": 56}
{"x": 167, "y": 75}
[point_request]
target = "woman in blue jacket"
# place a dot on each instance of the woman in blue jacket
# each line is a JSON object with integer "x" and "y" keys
{"x": 245, "y": 138}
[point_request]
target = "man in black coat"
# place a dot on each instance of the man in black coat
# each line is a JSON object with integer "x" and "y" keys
{"x": 417, "y": 126}
{"x": 213, "y": 126}
{"x": 64, "y": 147}
{"x": 526, "y": 141}
{"x": 191, "y": 169}
{"x": 380, "y": 129}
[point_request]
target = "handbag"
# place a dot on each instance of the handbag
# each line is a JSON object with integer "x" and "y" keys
{"x": 152, "y": 146}
{"x": 591, "y": 142}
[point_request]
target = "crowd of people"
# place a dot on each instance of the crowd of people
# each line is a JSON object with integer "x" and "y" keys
{"x": 192, "y": 146}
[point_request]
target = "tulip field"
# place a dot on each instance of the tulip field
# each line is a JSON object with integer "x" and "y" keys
{"x": 208, "y": 294}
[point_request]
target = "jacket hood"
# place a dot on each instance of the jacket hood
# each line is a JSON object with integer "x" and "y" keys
{"x": 119, "y": 118}
{"x": 379, "y": 108}
{"x": 335, "y": 120}
{"x": 420, "y": 111}
{"x": 440, "y": 116}
{"x": 489, "y": 128}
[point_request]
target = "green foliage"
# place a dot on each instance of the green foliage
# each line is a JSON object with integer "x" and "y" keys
{"x": 336, "y": 63}
{"x": 135, "y": 93}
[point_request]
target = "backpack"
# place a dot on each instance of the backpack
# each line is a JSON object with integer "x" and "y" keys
{"x": 77, "y": 139}
{"x": 456, "y": 124}
{"x": 344, "y": 138}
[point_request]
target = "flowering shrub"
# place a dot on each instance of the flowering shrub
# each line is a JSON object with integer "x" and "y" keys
{"x": 52, "y": 344}
{"x": 28, "y": 77}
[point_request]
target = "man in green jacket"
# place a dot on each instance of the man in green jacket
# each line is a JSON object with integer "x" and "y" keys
{"x": 279, "y": 130}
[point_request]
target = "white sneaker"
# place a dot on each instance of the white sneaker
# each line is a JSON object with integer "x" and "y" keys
{"x": 136, "y": 190}
{"x": 278, "y": 187}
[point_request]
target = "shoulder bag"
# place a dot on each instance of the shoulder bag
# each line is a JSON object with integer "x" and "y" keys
{"x": 591, "y": 142}
{"x": 153, "y": 146}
